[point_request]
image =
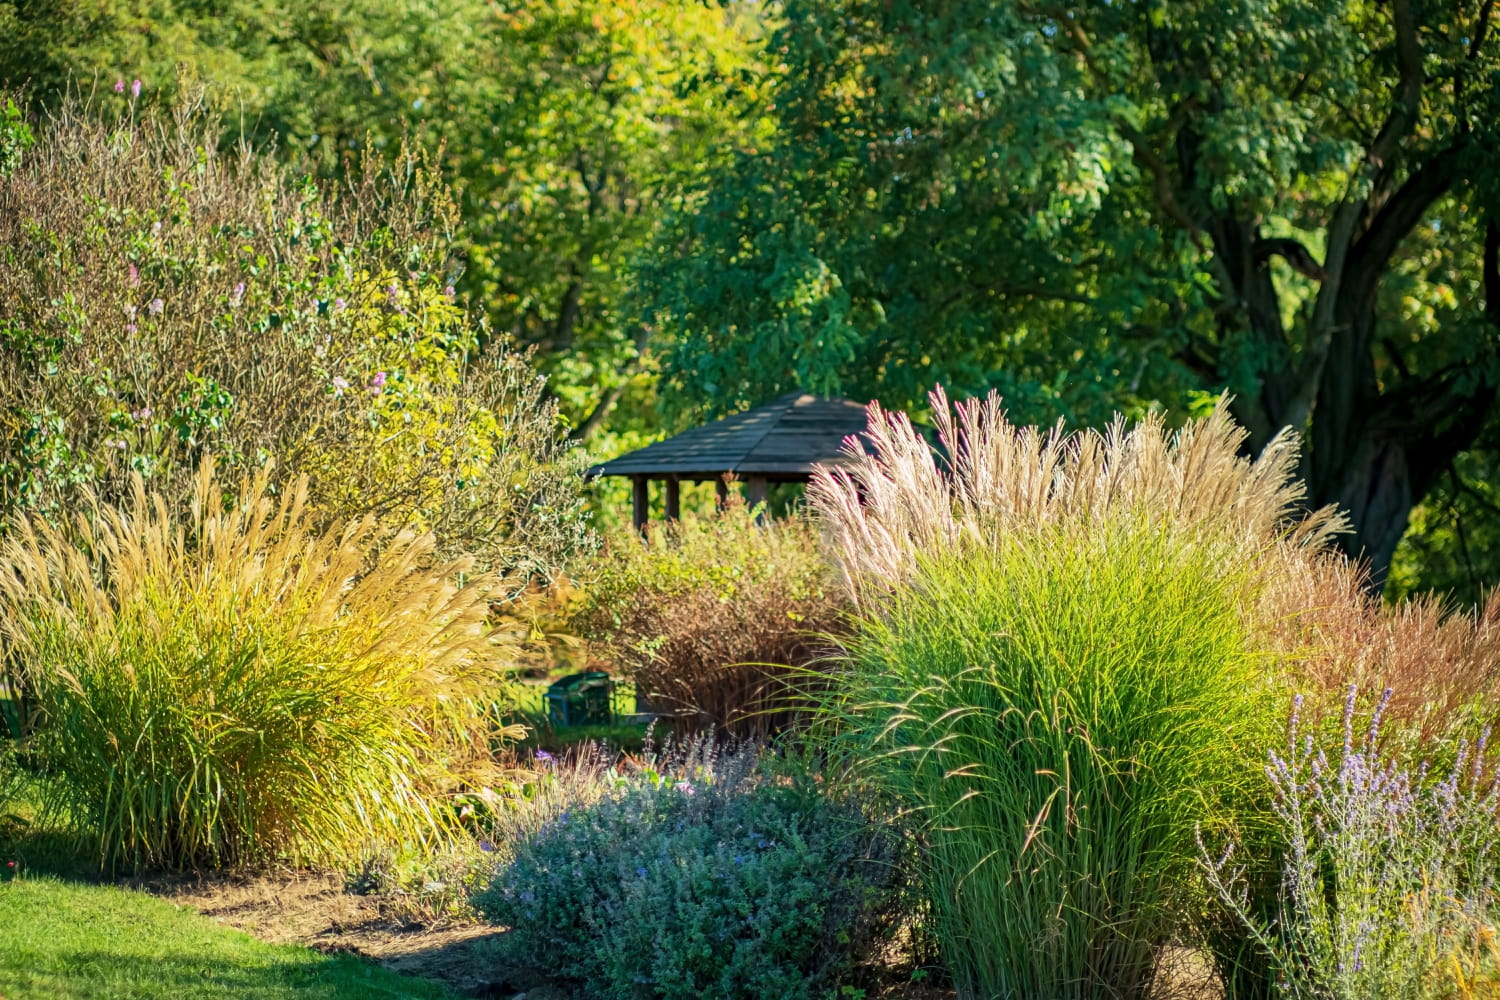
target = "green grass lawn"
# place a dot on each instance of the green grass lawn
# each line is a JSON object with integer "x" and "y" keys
{"x": 66, "y": 941}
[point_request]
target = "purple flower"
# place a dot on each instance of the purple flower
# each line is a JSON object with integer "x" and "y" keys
{"x": 143, "y": 414}
{"x": 377, "y": 384}
{"x": 448, "y": 292}
{"x": 135, "y": 89}
{"x": 119, "y": 86}
{"x": 339, "y": 305}
{"x": 155, "y": 307}
{"x": 393, "y": 297}
{"x": 486, "y": 847}
{"x": 131, "y": 328}
{"x": 238, "y": 295}
{"x": 544, "y": 757}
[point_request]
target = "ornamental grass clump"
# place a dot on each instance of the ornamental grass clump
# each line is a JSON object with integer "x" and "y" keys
{"x": 1388, "y": 886}
{"x": 227, "y": 686}
{"x": 1054, "y": 670}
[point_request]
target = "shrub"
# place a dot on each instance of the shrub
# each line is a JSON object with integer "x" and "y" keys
{"x": 1388, "y": 888}
{"x": 708, "y": 614}
{"x": 162, "y": 301}
{"x": 706, "y": 874}
{"x": 232, "y": 686}
{"x": 1054, "y": 667}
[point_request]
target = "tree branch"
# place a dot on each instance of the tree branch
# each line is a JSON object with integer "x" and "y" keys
{"x": 1341, "y": 230}
{"x": 601, "y": 410}
{"x": 1297, "y": 256}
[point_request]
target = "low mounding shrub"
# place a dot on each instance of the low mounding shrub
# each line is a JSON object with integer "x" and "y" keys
{"x": 706, "y": 875}
{"x": 1389, "y": 881}
{"x": 1054, "y": 668}
{"x": 230, "y": 686}
{"x": 708, "y": 614}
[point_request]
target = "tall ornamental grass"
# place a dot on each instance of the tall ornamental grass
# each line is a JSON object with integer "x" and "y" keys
{"x": 229, "y": 686}
{"x": 1054, "y": 669}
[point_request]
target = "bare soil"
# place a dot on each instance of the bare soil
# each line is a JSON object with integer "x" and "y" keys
{"x": 317, "y": 911}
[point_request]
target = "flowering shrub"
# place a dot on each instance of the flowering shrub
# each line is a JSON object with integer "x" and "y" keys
{"x": 162, "y": 302}
{"x": 709, "y": 613}
{"x": 1388, "y": 886}
{"x": 701, "y": 875}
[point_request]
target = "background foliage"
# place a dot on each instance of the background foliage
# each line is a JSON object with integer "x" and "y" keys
{"x": 1086, "y": 206}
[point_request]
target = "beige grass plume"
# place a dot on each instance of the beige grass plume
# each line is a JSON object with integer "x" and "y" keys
{"x": 900, "y": 499}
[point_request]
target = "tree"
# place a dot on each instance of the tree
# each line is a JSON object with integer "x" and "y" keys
{"x": 1100, "y": 205}
{"x": 588, "y": 121}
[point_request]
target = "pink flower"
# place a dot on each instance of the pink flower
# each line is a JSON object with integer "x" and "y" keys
{"x": 135, "y": 276}
{"x": 339, "y": 305}
{"x": 377, "y": 384}
{"x": 448, "y": 292}
{"x": 339, "y": 385}
{"x": 141, "y": 415}
{"x": 119, "y": 86}
{"x": 155, "y": 306}
{"x": 135, "y": 88}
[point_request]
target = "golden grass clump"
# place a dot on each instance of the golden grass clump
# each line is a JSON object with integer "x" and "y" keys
{"x": 229, "y": 686}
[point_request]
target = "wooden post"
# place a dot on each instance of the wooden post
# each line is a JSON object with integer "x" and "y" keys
{"x": 721, "y": 492}
{"x": 673, "y": 503}
{"x": 640, "y": 500}
{"x": 755, "y": 490}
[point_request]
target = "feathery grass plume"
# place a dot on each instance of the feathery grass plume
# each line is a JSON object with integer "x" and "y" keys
{"x": 896, "y": 501}
{"x": 1442, "y": 665}
{"x": 231, "y": 687}
{"x": 1054, "y": 667}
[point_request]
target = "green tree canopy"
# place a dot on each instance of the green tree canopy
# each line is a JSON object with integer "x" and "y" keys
{"x": 1112, "y": 204}
{"x": 569, "y": 127}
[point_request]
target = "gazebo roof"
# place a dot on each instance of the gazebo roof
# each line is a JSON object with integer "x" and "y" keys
{"x": 783, "y": 438}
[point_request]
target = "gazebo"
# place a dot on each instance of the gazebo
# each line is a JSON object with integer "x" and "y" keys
{"x": 778, "y": 442}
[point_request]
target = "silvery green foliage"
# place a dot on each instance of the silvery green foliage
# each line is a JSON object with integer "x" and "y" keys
{"x": 1388, "y": 880}
{"x": 703, "y": 874}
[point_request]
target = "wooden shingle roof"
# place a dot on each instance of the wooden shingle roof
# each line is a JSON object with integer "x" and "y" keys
{"x": 783, "y": 438}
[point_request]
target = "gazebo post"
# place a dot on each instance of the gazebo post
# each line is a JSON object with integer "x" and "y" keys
{"x": 755, "y": 490}
{"x": 640, "y": 500}
{"x": 721, "y": 492}
{"x": 673, "y": 503}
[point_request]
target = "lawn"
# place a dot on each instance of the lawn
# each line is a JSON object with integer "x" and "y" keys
{"x": 66, "y": 941}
